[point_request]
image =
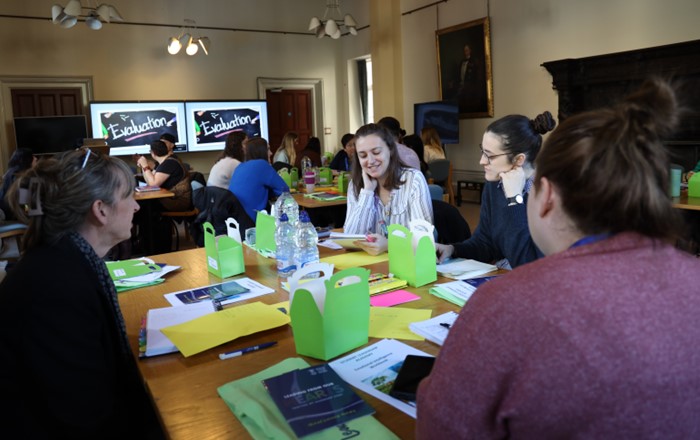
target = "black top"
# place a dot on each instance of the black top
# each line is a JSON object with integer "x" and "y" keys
{"x": 174, "y": 168}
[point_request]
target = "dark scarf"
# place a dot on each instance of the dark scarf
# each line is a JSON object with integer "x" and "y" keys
{"x": 106, "y": 289}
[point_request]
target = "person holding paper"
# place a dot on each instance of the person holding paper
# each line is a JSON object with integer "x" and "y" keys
{"x": 599, "y": 338}
{"x": 382, "y": 190}
{"x": 66, "y": 366}
{"x": 508, "y": 150}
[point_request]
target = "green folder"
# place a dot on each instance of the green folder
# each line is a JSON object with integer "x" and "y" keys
{"x": 257, "y": 412}
{"x": 417, "y": 268}
{"x": 119, "y": 270}
{"x": 342, "y": 325}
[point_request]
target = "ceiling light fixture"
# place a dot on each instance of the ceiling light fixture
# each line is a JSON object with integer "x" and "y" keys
{"x": 67, "y": 17}
{"x": 186, "y": 37}
{"x": 333, "y": 27}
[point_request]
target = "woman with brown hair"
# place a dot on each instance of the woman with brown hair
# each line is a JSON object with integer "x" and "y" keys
{"x": 382, "y": 190}
{"x": 431, "y": 144}
{"x": 599, "y": 338}
{"x": 231, "y": 157}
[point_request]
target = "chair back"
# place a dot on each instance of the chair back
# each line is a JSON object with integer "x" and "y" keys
{"x": 451, "y": 227}
{"x": 439, "y": 170}
{"x": 435, "y": 191}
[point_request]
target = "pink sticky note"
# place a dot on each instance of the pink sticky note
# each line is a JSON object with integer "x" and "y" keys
{"x": 392, "y": 298}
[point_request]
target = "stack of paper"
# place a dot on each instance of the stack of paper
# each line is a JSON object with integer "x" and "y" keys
{"x": 156, "y": 342}
{"x": 435, "y": 329}
{"x": 140, "y": 272}
{"x": 462, "y": 269}
{"x": 458, "y": 292}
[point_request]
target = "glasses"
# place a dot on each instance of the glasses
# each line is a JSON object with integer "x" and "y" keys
{"x": 489, "y": 158}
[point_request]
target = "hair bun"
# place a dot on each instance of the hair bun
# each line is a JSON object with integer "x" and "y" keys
{"x": 543, "y": 123}
{"x": 654, "y": 106}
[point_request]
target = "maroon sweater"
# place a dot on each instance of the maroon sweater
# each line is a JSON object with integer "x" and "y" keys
{"x": 599, "y": 341}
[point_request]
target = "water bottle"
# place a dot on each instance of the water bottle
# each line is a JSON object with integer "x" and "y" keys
{"x": 306, "y": 240}
{"x": 306, "y": 164}
{"x": 291, "y": 208}
{"x": 284, "y": 239}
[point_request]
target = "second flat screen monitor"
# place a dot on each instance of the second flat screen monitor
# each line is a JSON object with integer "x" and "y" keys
{"x": 210, "y": 122}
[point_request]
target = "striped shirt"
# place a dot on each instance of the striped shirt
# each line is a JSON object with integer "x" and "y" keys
{"x": 409, "y": 201}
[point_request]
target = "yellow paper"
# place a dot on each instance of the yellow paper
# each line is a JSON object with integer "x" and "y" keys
{"x": 392, "y": 322}
{"x": 214, "y": 329}
{"x": 354, "y": 259}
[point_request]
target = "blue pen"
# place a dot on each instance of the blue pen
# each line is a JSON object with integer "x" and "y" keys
{"x": 243, "y": 351}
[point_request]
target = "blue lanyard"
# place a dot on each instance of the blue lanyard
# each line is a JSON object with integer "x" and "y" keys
{"x": 590, "y": 239}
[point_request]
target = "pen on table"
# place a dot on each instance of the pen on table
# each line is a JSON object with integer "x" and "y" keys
{"x": 243, "y": 351}
{"x": 446, "y": 325}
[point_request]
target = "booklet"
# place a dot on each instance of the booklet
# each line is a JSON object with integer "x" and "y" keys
{"x": 156, "y": 343}
{"x": 462, "y": 269}
{"x": 315, "y": 398}
{"x": 374, "y": 368}
{"x": 459, "y": 292}
{"x": 435, "y": 329}
{"x": 224, "y": 293}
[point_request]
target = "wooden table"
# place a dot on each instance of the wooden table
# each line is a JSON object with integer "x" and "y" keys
{"x": 309, "y": 203}
{"x": 685, "y": 202}
{"x": 150, "y": 195}
{"x": 184, "y": 389}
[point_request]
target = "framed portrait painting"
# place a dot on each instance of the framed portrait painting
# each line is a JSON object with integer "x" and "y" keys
{"x": 464, "y": 67}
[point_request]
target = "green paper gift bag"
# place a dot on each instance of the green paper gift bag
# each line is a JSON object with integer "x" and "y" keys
{"x": 343, "y": 179}
{"x": 412, "y": 254}
{"x": 325, "y": 176}
{"x": 225, "y": 253}
{"x": 330, "y": 315}
{"x": 286, "y": 176}
{"x": 265, "y": 232}
{"x": 294, "y": 172}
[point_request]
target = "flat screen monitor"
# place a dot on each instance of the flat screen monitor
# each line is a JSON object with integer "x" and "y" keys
{"x": 210, "y": 122}
{"x": 50, "y": 134}
{"x": 442, "y": 115}
{"x": 130, "y": 126}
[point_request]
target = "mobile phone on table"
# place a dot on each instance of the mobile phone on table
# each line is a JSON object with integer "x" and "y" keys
{"x": 413, "y": 370}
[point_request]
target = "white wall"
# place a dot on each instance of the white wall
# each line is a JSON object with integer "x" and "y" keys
{"x": 131, "y": 62}
{"x": 526, "y": 33}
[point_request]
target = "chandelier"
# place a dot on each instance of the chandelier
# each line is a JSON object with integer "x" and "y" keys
{"x": 67, "y": 17}
{"x": 186, "y": 38}
{"x": 333, "y": 27}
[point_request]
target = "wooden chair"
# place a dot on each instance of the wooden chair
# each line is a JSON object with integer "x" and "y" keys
{"x": 186, "y": 216}
{"x": 441, "y": 174}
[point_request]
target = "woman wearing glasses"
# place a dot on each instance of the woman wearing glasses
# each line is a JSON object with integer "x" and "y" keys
{"x": 508, "y": 150}
{"x": 66, "y": 367}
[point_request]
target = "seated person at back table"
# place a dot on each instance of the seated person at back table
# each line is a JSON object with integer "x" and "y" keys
{"x": 66, "y": 365}
{"x": 287, "y": 153}
{"x": 22, "y": 159}
{"x": 343, "y": 158}
{"x": 169, "y": 171}
{"x": 312, "y": 150}
{"x": 382, "y": 190}
{"x": 598, "y": 339}
{"x": 255, "y": 181}
{"x": 433, "y": 146}
{"x": 508, "y": 149}
{"x": 231, "y": 157}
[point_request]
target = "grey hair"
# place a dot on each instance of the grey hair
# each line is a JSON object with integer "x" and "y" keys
{"x": 69, "y": 183}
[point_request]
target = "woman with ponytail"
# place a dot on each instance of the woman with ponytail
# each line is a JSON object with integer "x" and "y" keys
{"x": 599, "y": 338}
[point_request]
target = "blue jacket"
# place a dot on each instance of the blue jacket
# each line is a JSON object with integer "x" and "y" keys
{"x": 253, "y": 183}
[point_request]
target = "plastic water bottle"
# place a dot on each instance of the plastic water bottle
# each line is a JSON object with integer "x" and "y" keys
{"x": 291, "y": 208}
{"x": 306, "y": 164}
{"x": 306, "y": 240}
{"x": 284, "y": 239}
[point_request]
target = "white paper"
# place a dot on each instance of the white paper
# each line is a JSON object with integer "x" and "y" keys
{"x": 330, "y": 244}
{"x": 462, "y": 269}
{"x": 147, "y": 278}
{"x": 378, "y": 363}
{"x": 432, "y": 330}
{"x": 343, "y": 235}
{"x": 255, "y": 289}
{"x": 156, "y": 342}
{"x": 420, "y": 228}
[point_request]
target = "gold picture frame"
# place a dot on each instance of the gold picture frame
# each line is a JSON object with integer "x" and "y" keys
{"x": 464, "y": 67}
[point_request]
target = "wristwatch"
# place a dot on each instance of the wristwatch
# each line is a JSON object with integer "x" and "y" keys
{"x": 516, "y": 200}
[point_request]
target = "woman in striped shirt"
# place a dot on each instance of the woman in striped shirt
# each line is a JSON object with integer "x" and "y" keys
{"x": 382, "y": 191}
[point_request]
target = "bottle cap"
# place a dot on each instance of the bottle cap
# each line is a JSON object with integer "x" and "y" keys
{"x": 283, "y": 217}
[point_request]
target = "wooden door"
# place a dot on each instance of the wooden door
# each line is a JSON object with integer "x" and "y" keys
{"x": 47, "y": 102}
{"x": 289, "y": 110}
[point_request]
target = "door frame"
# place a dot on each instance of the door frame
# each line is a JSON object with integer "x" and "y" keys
{"x": 7, "y": 83}
{"x": 315, "y": 85}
